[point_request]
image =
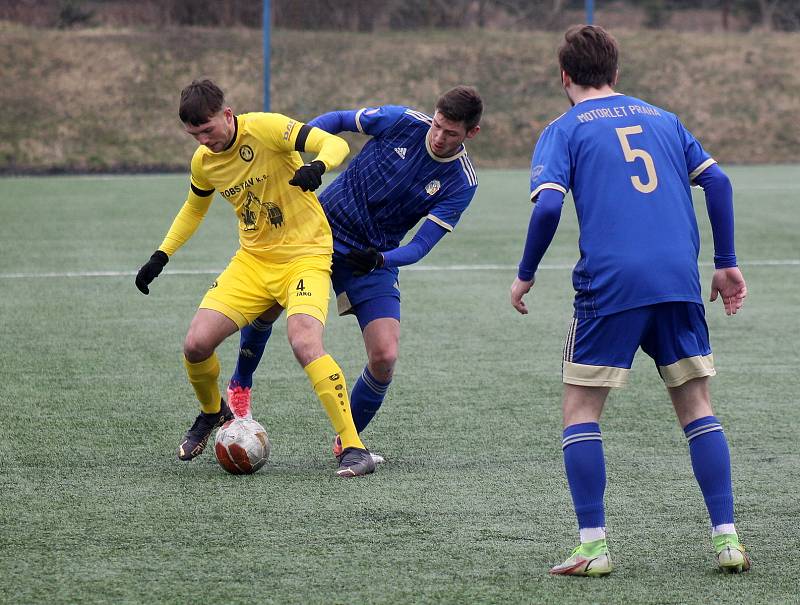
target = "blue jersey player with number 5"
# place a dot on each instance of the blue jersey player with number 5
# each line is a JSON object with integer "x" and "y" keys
{"x": 413, "y": 167}
{"x": 630, "y": 165}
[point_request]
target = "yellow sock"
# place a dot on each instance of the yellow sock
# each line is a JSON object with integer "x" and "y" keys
{"x": 203, "y": 376}
{"x": 328, "y": 380}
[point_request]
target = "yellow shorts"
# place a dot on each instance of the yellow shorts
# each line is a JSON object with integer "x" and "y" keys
{"x": 249, "y": 286}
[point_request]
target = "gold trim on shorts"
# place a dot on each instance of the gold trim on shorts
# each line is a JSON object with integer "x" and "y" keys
{"x": 684, "y": 370}
{"x": 569, "y": 343}
{"x": 593, "y": 376}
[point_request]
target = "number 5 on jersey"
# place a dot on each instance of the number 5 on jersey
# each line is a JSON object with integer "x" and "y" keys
{"x": 632, "y": 154}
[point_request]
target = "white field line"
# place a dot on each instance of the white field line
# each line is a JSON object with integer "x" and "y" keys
{"x": 756, "y": 263}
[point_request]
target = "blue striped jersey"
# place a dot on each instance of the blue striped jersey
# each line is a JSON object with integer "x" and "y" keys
{"x": 629, "y": 165}
{"x": 395, "y": 181}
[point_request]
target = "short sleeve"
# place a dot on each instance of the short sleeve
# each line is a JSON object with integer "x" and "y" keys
{"x": 447, "y": 212}
{"x": 375, "y": 120}
{"x": 550, "y": 166}
{"x": 697, "y": 158}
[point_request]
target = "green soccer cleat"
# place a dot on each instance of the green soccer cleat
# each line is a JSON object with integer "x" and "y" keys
{"x": 589, "y": 559}
{"x": 731, "y": 555}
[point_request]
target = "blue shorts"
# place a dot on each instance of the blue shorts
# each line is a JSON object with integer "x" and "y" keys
{"x": 372, "y": 296}
{"x": 599, "y": 351}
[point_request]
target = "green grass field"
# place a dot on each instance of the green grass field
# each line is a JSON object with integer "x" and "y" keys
{"x": 472, "y": 505}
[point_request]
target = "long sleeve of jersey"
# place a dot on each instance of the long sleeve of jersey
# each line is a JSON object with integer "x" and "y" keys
{"x": 719, "y": 203}
{"x": 330, "y": 149}
{"x": 541, "y": 229}
{"x": 423, "y": 241}
{"x": 335, "y": 122}
{"x": 188, "y": 219}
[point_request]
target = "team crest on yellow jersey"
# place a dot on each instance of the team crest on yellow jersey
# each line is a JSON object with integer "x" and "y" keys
{"x": 251, "y": 210}
{"x": 246, "y": 153}
{"x": 433, "y": 187}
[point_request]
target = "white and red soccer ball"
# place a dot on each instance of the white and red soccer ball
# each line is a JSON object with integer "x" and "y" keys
{"x": 242, "y": 446}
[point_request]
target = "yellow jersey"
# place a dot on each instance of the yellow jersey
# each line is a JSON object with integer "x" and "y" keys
{"x": 277, "y": 221}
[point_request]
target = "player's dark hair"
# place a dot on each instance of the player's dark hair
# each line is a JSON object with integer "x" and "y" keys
{"x": 589, "y": 55}
{"x": 201, "y": 100}
{"x": 461, "y": 104}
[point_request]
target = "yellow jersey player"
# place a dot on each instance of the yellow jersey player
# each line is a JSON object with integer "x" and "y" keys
{"x": 284, "y": 257}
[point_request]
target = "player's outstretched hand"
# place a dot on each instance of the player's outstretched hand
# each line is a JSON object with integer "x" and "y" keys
{"x": 150, "y": 270}
{"x": 309, "y": 176}
{"x": 519, "y": 289}
{"x": 729, "y": 283}
{"x": 364, "y": 261}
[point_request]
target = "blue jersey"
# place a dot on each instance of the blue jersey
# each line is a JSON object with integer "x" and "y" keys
{"x": 395, "y": 181}
{"x": 629, "y": 165}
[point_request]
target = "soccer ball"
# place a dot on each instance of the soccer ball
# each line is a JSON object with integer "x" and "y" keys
{"x": 242, "y": 446}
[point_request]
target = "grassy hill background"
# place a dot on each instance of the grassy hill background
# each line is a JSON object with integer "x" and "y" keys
{"x": 106, "y": 99}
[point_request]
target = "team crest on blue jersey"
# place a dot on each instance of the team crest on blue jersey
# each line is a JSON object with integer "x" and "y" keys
{"x": 432, "y": 187}
{"x": 246, "y": 153}
{"x": 536, "y": 171}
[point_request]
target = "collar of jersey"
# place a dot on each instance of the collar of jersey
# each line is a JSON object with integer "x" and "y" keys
{"x": 613, "y": 94}
{"x": 443, "y": 160}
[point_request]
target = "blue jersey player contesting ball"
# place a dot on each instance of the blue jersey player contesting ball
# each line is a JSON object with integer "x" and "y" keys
{"x": 415, "y": 166}
{"x": 629, "y": 165}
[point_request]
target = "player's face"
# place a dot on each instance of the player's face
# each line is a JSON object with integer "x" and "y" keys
{"x": 216, "y": 133}
{"x": 446, "y": 136}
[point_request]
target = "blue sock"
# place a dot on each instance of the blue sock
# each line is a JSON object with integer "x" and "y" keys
{"x": 366, "y": 398}
{"x": 252, "y": 341}
{"x": 711, "y": 462}
{"x": 586, "y": 472}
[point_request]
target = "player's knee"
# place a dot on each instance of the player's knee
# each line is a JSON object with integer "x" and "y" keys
{"x": 383, "y": 357}
{"x": 306, "y": 347}
{"x": 196, "y": 349}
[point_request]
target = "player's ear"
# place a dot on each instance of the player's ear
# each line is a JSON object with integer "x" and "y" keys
{"x": 473, "y": 131}
{"x": 616, "y": 79}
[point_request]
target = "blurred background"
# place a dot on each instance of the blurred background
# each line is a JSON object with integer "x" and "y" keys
{"x": 92, "y": 86}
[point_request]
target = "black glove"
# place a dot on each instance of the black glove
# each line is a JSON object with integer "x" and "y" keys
{"x": 364, "y": 261}
{"x": 309, "y": 176}
{"x": 150, "y": 270}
